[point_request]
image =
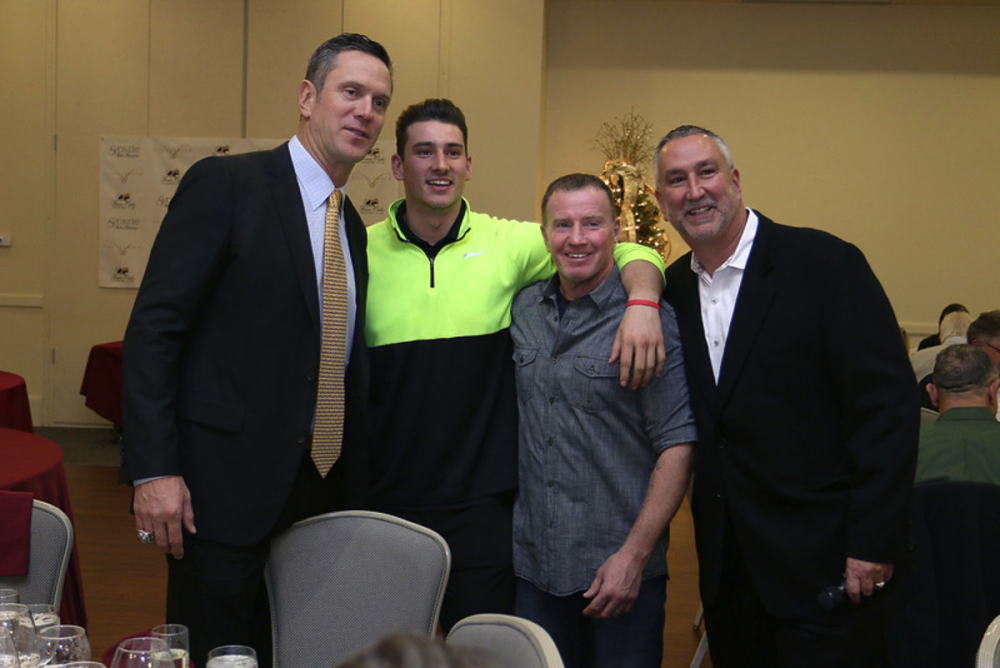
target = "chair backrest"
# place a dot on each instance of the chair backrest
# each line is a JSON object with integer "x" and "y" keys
{"x": 989, "y": 648}
{"x": 511, "y": 641}
{"x": 927, "y": 416}
{"x": 51, "y": 545}
{"x": 341, "y": 581}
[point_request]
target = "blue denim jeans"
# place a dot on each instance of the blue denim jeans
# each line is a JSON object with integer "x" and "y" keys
{"x": 634, "y": 640}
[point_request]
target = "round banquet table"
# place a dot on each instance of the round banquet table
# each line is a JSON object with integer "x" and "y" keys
{"x": 31, "y": 463}
{"x": 15, "y": 411}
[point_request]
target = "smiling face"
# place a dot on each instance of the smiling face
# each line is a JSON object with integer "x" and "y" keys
{"x": 698, "y": 193}
{"x": 341, "y": 122}
{"x": 580, "y": 233}
{"x": 433, "y": 168}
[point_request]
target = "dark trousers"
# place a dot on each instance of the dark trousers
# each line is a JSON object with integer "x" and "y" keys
{"x": 743, "y": 634}
{"x": 482, "y": 555}
{"x": 634, "y": 640}
{"x": 218, "y": 590}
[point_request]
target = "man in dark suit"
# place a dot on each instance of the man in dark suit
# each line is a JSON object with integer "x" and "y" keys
{"x": 807, "y": 421}
{"x": 222, "y": 352}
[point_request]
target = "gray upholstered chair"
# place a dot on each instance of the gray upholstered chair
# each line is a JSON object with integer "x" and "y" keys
{"x": 510, "y": 641}
{"x": 341, "y": 581}
{"x": 989, "y": 649}
{"x": 51, "y": 546}
{"x": 927, "y": 416}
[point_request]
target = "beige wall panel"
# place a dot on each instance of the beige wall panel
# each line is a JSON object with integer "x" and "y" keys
{"x": 26, "y": 210}
{"x": 410, "y": 30}
{"x": 875, "y": 123}
{"x": 196, "y": 68}
{"x": 496, "y": 66}
{"x": 26, "y": 136}
{"x": 281, "y": 37}
{"x": 102, "y": 89}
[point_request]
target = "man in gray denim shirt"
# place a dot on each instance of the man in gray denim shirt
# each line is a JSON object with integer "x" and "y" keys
{"x": 603, "y": 468}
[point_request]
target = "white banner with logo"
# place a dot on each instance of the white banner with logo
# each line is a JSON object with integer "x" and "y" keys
{"x": 138, "y": 177}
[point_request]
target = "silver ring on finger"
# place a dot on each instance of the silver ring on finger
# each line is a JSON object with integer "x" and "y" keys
{"x": 879, "y": 585}
{"x": 147, "y": 537}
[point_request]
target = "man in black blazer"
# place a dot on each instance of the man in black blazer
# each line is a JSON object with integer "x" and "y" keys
{"x": 807, "y": 420}
{"x": 222, "y": 353}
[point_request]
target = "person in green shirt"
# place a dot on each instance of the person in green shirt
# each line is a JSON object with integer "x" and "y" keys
{"x": 964, "y": 444}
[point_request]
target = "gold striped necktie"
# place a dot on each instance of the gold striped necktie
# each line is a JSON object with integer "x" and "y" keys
{"x": 329, "y": 429}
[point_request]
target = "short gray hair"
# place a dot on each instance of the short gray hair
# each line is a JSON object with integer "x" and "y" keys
{"x": 682, "y": 131}
{"x": 963, "y": 368}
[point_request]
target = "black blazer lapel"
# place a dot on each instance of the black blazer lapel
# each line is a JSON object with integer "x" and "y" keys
{"x": 292, "y": 216}
{"x": 757, "y": 291}
{"x": 683, "y": 296}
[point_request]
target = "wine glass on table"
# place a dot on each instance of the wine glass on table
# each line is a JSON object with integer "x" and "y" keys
{"x": 15, "y": 621}
{"x": 44, "y": 615}
{"x": 176, "y": 637}
{"x": 62, "y": 643}
{"x": 9, "y": 595}
{"x": 232, "y": 656}
{"x": 145, "y": 652}
{"x": 9, "y": 658}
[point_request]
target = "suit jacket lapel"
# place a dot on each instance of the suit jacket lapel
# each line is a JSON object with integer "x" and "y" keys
{"x": 687, "y": 306}
{"x": 757, "y": 291}
{"x": 292, "y": 217}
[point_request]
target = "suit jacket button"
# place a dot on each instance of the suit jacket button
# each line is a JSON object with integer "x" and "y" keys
{"x": 302, "y": 440}
{"x": 310, "y": 377}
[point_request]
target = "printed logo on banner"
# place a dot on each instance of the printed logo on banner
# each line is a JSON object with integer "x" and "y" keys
{"x": 125, "y": 176}
{"x": 222, "y": 150}
{"x": 123, "y": 223}
{"x": 123, "y": 201}
{"x": 171, "y": 176}
{"x": 121, "y": 275}
{"x": 373, "y": 180}
{"x": 372, "y": 206}
{"x": 374, "y": 157}
{"x": 164, "y": 200}
{"x": 174, "y": 152}
{"x": 128, "y": 150}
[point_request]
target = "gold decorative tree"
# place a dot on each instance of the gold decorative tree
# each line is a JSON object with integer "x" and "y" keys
{"x": 628, "y": 149}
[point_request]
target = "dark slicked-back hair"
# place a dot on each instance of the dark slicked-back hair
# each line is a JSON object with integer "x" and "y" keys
{"x": 986, "y": 326}
{"x": 431, "y": 109}
{"x": 324, "y": 58}
{"x": 572, "y": 182}
{"x": 962, "y": 368}
{"x": 682, "y": 131}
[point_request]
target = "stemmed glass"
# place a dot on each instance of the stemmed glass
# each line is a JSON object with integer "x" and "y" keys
{"x": 9, "y": 595}
{"x": 232, "y": 656}
{"x": 176, "y": 637}
{"x": 142, "y": 653}
{"x": 15, "y": 620}
{"x": 9, "y": 658}
{"x": 44, "y": 615}
{"x": 63, "y": 643}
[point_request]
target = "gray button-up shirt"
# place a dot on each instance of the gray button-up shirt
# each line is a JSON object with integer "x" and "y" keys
{"x": 587, "y": 445}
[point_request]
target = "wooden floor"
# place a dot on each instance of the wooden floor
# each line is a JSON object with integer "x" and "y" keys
{"x": 125, "y": 581}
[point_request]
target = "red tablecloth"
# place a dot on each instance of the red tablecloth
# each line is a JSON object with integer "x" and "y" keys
{"x": 102, "y": 381}
{"x": 15, "y": 411}
{"x": 30, "y": 463}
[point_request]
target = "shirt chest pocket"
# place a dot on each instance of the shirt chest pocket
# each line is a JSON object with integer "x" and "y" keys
{"x": 525, "y": 371}
{"x": 593, "y": 385}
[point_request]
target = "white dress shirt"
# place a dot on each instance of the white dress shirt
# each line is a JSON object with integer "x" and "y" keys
{"x": 316, "y": 187}
{"x": 718, "y": 293}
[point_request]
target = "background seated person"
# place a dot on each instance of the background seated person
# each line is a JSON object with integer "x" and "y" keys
{"x": 964, "y": 444}
{"x": 936, "y": 339}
